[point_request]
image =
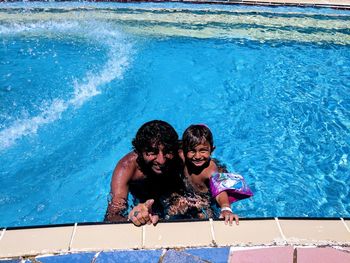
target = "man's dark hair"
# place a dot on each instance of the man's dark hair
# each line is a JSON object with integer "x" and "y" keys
{"x": 196, "y": 134}
{"x": 155, "y": 133}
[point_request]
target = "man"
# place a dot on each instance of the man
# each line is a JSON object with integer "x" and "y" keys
{"x": 151, "y": 173}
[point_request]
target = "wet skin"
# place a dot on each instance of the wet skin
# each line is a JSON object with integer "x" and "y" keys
{"x": 198, "y": 160}
{"x": 156, "y": 158}
{"x": 156, "y": 177}
{"x": 199, "y": 156}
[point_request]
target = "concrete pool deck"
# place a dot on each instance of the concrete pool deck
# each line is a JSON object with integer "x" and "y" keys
{"x": 271, "y": 239}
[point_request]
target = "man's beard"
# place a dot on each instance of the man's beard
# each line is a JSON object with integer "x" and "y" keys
{"x": 146, "y": 168}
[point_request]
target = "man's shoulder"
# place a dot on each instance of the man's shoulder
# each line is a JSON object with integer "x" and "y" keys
{"x": 129, "y": 163}
{"x": 129, "y": 158}
{"x": 126, "y": 165}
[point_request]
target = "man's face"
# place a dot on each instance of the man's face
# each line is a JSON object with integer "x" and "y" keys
{"x": 156, "y": 158}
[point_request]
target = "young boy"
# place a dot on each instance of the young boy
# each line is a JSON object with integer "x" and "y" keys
{"x": 197, "y": 147}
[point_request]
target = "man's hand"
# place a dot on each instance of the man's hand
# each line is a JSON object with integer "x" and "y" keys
{"x": 142, "y": 214}
{"x": 227, "y": 214}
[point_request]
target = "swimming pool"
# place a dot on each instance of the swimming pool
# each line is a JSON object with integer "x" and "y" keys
{"x": 78, "y": 79}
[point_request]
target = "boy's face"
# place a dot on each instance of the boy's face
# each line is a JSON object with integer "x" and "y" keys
{"x": 199, "y": 155}
{"x": 157, "y": 158}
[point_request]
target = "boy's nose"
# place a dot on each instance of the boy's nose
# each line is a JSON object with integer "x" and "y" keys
{"x": 197, "y": 155}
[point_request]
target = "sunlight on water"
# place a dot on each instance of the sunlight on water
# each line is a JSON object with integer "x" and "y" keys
{"x": 78, "y": 79}
{"x": 85, "y": 88}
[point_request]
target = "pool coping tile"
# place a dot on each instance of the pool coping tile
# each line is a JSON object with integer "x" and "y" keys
{"x": 265, "y": 255}
{"x": 172, "y": 256}
{"x": 63, "y": 258}
{"x": 324, "y": 255}
{"x": 34, "y": 241}
{"x": 106, "y": 237}
{"x": 212, "y": 254}
{"x": 149, "y": 256}
{"x": 177, "y": 235}
{"x": 315, "y": 232}
{"x": 247, "y": 233}
{"x": 347, "y": 224}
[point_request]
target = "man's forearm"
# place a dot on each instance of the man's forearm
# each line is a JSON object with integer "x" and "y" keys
{"x": 116, "y": 211}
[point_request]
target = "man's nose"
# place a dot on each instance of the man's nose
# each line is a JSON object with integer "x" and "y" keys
{"x": 160, "y": 158}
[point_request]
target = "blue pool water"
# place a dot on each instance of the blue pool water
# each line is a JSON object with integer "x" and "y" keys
{"x": 77, "y": 80}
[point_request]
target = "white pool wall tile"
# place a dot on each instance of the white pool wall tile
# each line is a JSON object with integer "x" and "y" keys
{"x": 250, "y": 232}
{"x": 107, "y": 237}
{"x": 178, "y": 235}
{"x": 315, "y": 232}
{"x": 35, "y": 241}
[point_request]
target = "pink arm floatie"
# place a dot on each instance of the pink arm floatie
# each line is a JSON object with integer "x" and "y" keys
{"x": 233, "y": 184}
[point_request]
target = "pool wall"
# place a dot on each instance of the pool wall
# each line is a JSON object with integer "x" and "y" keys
{"x": 337, "y": 4}
{"x": 26, "y": 242}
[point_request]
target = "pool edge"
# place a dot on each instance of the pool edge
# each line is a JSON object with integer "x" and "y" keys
{"x": 85, "y": 237}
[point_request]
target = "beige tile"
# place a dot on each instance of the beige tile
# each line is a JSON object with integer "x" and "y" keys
{"x": 35, "y": 241}
{"x": 338, "y": 2}
{"x": 315, "y": 231}
{"x": 177, "y": 234}
{"x": 248, "y": 232}
{"x": 347, "y": 223}
{"x": 111, "y": 236}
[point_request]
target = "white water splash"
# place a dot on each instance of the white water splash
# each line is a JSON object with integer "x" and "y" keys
{"x": 343, "y": 162}
{"x": 38, "y": 28}
{"x": 90, "y": 86}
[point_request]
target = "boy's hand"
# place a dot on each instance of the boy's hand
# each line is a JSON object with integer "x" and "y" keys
{"x": 228, "y": 215}
{"x": 141, "y": 214}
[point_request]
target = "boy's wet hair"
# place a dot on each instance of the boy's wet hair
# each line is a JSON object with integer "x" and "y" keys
{"x": 195, "y": 135}
{"x": 154, "y": 133}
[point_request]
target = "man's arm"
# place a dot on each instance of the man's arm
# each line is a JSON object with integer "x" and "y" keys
{"x": 118, "y": 205}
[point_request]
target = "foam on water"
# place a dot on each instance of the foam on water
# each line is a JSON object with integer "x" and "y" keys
{"x": 83, "y": 89}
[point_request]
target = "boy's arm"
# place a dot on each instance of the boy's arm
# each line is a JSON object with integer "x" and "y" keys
{"x": 226, "y": 211}
{"x": 222, "y": 198}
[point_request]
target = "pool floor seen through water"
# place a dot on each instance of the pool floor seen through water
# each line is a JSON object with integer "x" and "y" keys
{"x": 77, "y": 80}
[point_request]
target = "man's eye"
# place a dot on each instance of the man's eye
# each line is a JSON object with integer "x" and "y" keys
{"x": 169, "y": 155}
{"x": 150, "y": 153}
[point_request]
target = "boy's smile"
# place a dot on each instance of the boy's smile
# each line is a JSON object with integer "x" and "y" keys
{"x": 199, "y": 155}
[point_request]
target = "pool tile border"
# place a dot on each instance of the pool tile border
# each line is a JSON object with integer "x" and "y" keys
{"x": 343, "y": 4}
{"x": 183, "y": 234}
{"x": 35, "y": 241}
{"x": 315, "y": 232}
{"x": 106, "y": 237}
{"x": 346, "y": 224}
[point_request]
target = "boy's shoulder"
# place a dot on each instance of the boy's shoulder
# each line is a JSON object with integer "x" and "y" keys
{"x": 211, "y": 169}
